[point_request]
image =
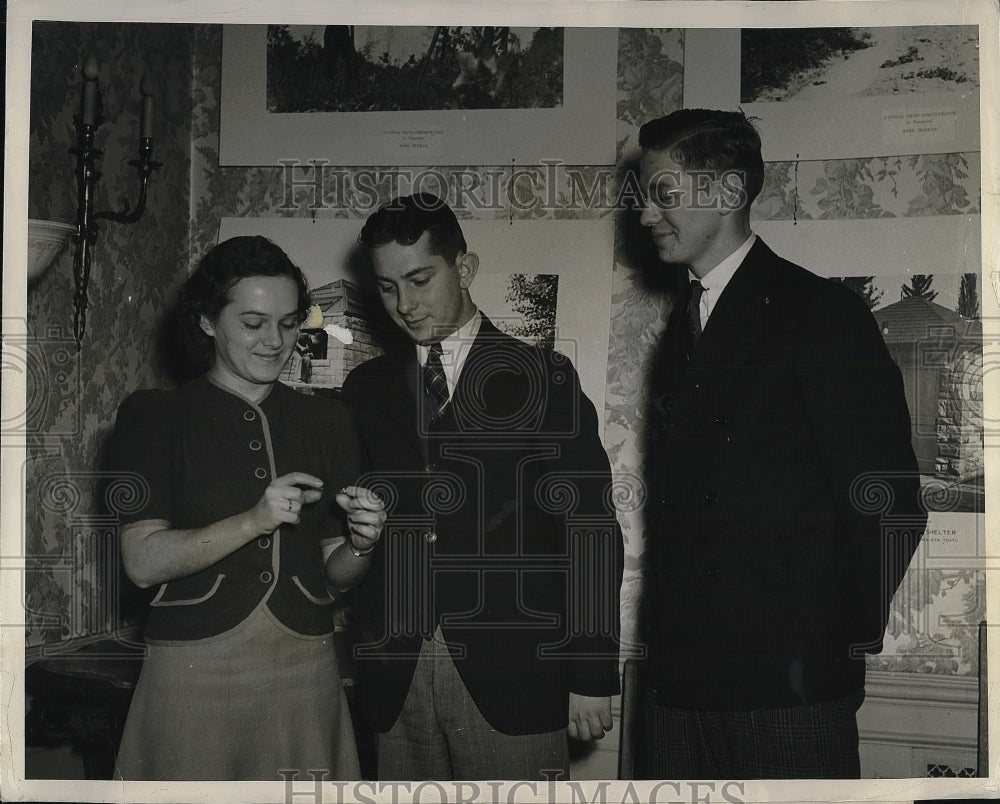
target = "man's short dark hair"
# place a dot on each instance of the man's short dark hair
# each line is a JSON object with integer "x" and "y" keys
{"x": 709, "y": 139}
{"x": 404, "y": 220}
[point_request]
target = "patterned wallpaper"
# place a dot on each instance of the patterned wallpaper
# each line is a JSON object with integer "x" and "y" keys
{"x": 933, "y": 627}
{"x": 72, "y": 396}
{"x": 871, "y": 187}
{"x": 933, "y": 624}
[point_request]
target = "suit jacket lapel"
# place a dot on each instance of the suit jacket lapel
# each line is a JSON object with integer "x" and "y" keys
{"x": 740, "y": 318}
{"x": 487, "y": 336}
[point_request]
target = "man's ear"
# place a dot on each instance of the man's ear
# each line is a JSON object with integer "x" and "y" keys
{"x": 206, "y": 326}
{"x": 468, "y": 264}
{"x": 732, "y": 196}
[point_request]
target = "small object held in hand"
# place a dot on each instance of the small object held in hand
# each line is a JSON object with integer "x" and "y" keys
{"x": 360, "y": 499}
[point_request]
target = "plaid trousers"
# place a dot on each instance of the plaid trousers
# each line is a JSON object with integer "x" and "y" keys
{"x": 441, "y": 734}
{"x": 819, "y": 741}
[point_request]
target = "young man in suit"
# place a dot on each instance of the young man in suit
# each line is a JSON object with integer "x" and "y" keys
{"x": 492, "y": 605}
{"x": 782, "y": 489}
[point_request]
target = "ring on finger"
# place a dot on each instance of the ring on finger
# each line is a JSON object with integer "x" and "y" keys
{"x": 289, "y": 504}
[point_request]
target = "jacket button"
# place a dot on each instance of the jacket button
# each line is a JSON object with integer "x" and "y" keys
{"x": 711, "y": 498}
{"x": 263, "y": 543}
{"x": 255, "y": 445}
{"x": 712, "y": 572}
{"x": 722, "y": 421}
{"x": 260, "y": 472}
{"x": 431, "y": 467}
{"x": 265, "y": 577}
{"x": 666, "y": 502}
{"x": 249, "y": 415}
{"x": 430, "y": 537}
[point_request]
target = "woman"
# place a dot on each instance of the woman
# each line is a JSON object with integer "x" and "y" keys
{"x": 242, "y": 532}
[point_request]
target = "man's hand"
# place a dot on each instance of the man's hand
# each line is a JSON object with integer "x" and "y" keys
{"x": 589, "y": 718}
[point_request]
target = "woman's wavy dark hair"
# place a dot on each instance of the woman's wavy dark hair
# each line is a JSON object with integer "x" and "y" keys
{"x": 206, "y": 290}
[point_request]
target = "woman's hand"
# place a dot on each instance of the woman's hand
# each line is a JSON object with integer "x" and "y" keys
{"x": 155, "y": 552}
{"x": 284, "y": 498}
{"x": 365, "y": 517}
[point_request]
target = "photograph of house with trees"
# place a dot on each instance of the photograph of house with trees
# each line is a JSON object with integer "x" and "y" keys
{"x": 932, "y": 327}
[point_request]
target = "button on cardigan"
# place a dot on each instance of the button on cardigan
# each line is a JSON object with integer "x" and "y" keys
{"x": 205, "y": 453}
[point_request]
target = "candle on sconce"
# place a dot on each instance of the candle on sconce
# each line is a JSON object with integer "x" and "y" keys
{"x": 88, "y": 111}
{"x": 88, "y": 173}
{"x": 146, "y": 121}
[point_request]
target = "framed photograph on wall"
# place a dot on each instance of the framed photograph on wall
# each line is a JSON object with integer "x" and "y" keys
{"x": 417, "y": 95}
{"x": 836, "y": 91}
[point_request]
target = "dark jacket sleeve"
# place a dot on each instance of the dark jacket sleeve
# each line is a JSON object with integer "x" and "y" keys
{"x": 853, "y": 397}
{"x": 139, "y": 456}
{"x": 596, "y": 549}
{"x": 361, "y": 392}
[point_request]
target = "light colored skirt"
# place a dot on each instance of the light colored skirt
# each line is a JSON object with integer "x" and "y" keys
{"x": 244, "y": 707}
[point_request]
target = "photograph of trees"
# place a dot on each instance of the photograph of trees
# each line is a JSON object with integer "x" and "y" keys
{"x": 354, "y": 68}
{"x": 825, "y": 64}
{"x": 532, "y": 301}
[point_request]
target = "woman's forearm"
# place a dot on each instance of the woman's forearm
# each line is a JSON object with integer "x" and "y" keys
{"x": 345, "y": 568}
{"x": 155, "y": 553}
{"x": 366, "y": 514}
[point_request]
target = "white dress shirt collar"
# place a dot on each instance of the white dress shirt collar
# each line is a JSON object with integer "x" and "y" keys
{"x": 715, "y": 281}
{"x": 455, "y": 348}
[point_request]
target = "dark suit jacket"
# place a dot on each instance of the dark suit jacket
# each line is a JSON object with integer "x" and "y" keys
{"x": 783, "y": 501}
{"x": 501, "y": 529}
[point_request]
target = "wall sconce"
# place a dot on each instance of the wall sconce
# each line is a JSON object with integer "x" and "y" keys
{"x": 87, "y": 176}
